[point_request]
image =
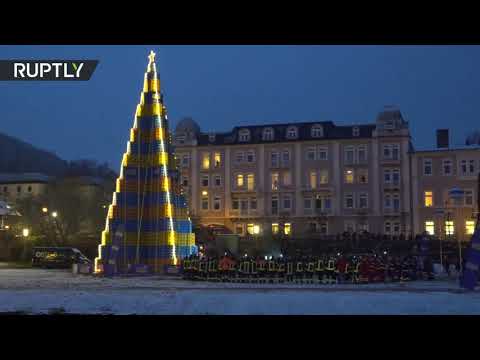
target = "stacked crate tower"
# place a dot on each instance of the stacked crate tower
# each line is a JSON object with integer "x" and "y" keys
{"x": 148, "y": 222}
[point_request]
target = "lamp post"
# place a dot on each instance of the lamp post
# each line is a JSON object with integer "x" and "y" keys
{"x": 25, "y": 234}
{"x": 456, "y": 195}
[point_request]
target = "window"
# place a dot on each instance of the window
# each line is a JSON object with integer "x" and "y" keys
{"x": 463, "y": 166}
{"x": 184, "y": 181}
{"x": 322, "y": 153}
{"x": 292, "y": 132}
{"x": 235, "y": 204}
{"x": 250, "y": 182}
{"x": 216, "y": 203}
{"x": 250, "y": 156}
{"x": 243, "y": 205}
{"x": 274, "y": 205}
{"x": 396, "y": 202}
{"x": 275, "y": 228}
{"x": 218, "y": 159}
{"x": 428, "y": 198}
{"x": 239, "y": 229}
{"x": 323, "y": 176}
{"x": 312, "y": 226}
{"x": 317, "y": 131}
{"x": 240, "y": 182}
{"x": 427, "y": 167}
{"x": 388, "y": 227}
{"x": 211, "y": 137}
{"x": 447, "y": 167}
{"x": 362, "y": 227}
{"x": 469, "y": 227}
{"x": 363, "y": 201}
{"x": 287, "y": 178}
{"x": 396, "y": 227}
{"x": 205, "y": 161}
{"x": 307, "y": 203}
{"x": 449, "y": 227}
{"x": 430, "y": 227}
{"x": 328, "y": 204}
{"x": 349, "y": 155}
{"x": 5, "y": 189}
{"x": 362, "y": 153}
{"x": 387, "y": 151}
{"x": 311, "y": 154}
{"x": 349, "y": 201}
{"x": 356, "y": 131}
{"x": 274, "y": 159}
{"x": 285, "y": 157}
{"x": 396, "y": 176}
{"x": 348, "y": 176}
{"x": 362, "y": 176}
{"x": 319, "y": 203}
{"x": 287, "y": 202}
{"x": 396, "y": 152}
{"x": 323, "y": 228}
{"x": 349, "y": 226}
{"x": 471, "y": 166}
{"x": 19, "y": 189}
{"x": 239, "y": 156}
{"x": 253, "y": 204}
{"x": 287, "y": 228}
{"x": 268, "y": 134}
{"x": 29, "y": 189}
{"x": 218, "y": 180}
{"x": 244, "y": 135}
{"x": 313, "y": 180}
{"x": 274, "y": 180}
{"x": 387, "y": 176}
{"x": 185, "y": 160}
{"x": 205, "y": 201}
{"x": 205, "y": 180}
{"x": 468, "y": 196}
{"x": 387, "y": 201}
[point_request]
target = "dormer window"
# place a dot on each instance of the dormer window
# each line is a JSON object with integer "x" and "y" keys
{"x": 268, "y": 134}
{"x": 317, "y": 131}
{"x": 356, "y": 131}
{"x": 292, "y": 132}
{"x": 180, "y": 139}
{"x": 211, "y": 138}
{"x": 244, "y": 135}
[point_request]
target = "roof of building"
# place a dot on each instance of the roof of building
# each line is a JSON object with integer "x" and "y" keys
{"x": 455, "y": 148}
{"x": 22, "y": 178}
{"x": 330, "y": 131}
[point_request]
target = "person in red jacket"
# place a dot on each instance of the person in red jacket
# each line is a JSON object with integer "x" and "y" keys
{"x": 341, "y": 269}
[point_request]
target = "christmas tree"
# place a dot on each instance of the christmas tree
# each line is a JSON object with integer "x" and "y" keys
{"x": 147, "y": 222}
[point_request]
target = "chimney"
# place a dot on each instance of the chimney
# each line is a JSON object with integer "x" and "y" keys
{"x": 442, "y": 138}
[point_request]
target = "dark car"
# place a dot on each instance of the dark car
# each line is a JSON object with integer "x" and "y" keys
{"x": 57, "y": 257}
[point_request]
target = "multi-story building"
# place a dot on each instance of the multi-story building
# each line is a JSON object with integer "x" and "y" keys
{"x": 18, "y": 186}
{"x": 436, "y": 174}
{"x": 299, "y": 178}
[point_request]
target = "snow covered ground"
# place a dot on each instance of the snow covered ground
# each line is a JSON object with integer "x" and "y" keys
{"x": 46, "y": 291}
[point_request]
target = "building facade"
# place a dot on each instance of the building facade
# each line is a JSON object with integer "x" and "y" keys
{"x": 299, "y": 178}
{"x": 435, "y": 173}
{"x": 18, "y": 186}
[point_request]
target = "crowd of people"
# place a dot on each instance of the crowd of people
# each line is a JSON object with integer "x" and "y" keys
{"x": 327, "y": 269}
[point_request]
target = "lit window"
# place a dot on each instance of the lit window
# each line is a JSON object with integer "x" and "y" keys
{"x": 250, "y": 182}
{"x": 430, "y": 227}
{"x": 292, "y": 132}
{"x": 349, "y": 201}
{"x": 239, "y": 180}
{"x": 206, "y": 161}
{"x": 268, "y": 134}
{"x": 469, "y": 227}
{"x": 313, "y": 179}
{"x": 349, "y": 176}
{"x": 275, "y": 228}
{"x": 287, "y": 178}
{"x": 218, "y": 159}
{"x": 274, "y": 181}
{"x": 427, "y": 167}
{"x": 287, "y": 229}
{"x": 250, "y": 156}
{"x": 253, "y": 229}
{"x": 216, "y": 203}
{"x": 244, "y": 135}
{"x": 447, "y": 167}
{"x": 428, "y": 198}
{"x": 317, "y": 131}
{"x": 349, "y": 155}
{"x": 323, "y": 176}
{"x": 449, "y": 227}
{"x": 322, "y": 153}
{"x": 311, "y": 154}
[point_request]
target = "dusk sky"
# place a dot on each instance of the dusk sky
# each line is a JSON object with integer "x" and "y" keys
{"x": 224, "y": 86}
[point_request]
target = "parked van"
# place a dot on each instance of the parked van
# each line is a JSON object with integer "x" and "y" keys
{"x": 57, "y": 257}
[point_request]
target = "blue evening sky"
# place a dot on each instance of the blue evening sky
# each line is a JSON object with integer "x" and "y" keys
{"x": 224, "y": 86}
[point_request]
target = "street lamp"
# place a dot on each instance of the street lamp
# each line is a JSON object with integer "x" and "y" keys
{"x": 44, "y": 210}
{"x": 25, "y": 234}
{"x": 54, "y": 214}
